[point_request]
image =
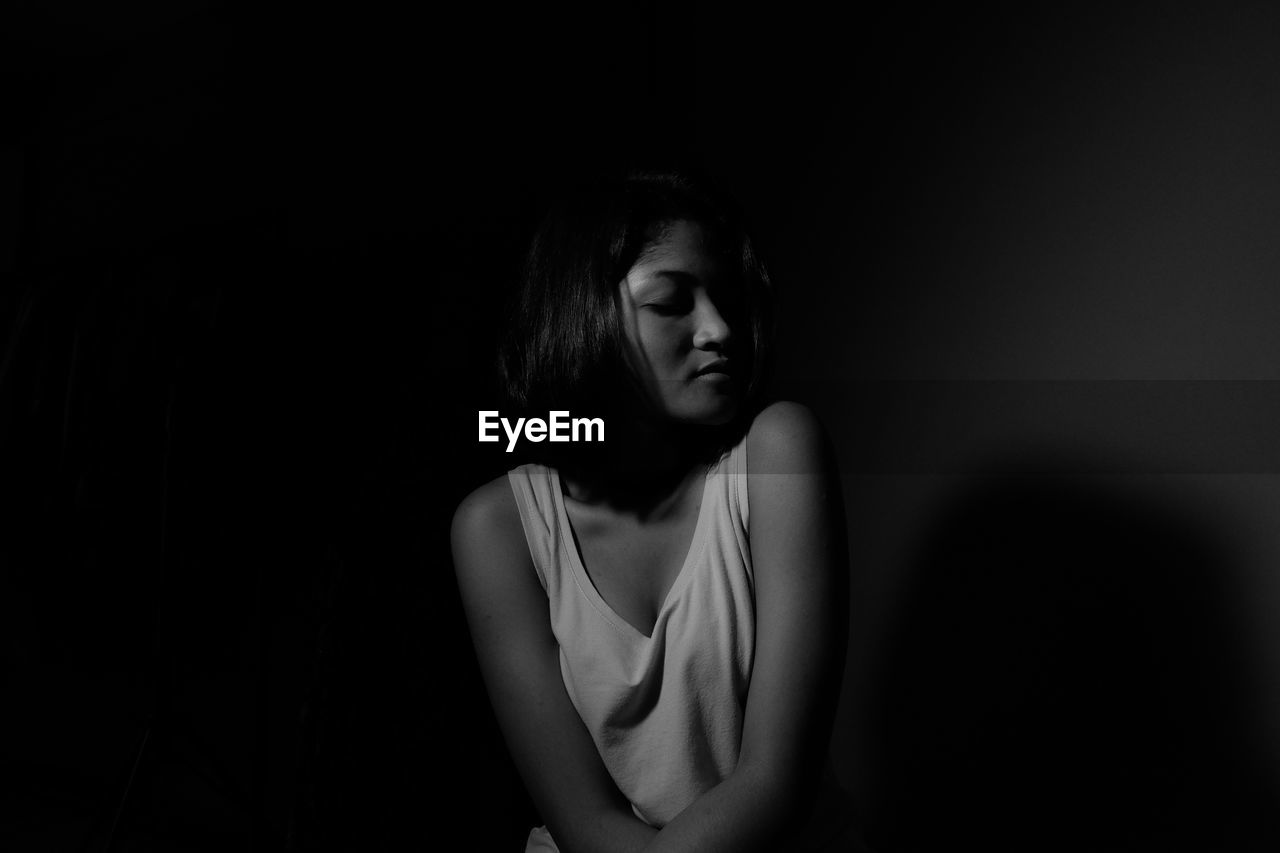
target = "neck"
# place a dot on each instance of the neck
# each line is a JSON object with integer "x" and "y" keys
{"x": 644, "y": 466}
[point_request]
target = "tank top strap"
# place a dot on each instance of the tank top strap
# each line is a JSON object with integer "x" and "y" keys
{"x": 730, "y": 475}
{"x": 532, "y": 486}
{"x": 730, "y": 511}
{"x": 736, "y": 468}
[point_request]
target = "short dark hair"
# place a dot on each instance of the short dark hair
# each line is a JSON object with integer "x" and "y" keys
{"x": 564, "y": 347}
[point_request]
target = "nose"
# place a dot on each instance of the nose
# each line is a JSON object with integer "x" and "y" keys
{"x": 712, "y": 330}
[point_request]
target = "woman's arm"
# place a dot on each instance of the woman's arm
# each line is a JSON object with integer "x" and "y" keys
{"x": 519, "y": 658}
{"x": 800, "y": 562}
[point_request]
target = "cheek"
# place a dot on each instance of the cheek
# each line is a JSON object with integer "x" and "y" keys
{"x": 663, "y": 342}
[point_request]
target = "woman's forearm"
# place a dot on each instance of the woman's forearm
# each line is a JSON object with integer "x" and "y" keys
{"x": 743, "y": 813}
{"x": 611, "y": 831}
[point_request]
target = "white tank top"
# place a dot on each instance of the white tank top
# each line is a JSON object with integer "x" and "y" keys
{"x": 665, "y": 711}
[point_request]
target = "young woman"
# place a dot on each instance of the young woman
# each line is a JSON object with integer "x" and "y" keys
{"x": 660, "y": 617}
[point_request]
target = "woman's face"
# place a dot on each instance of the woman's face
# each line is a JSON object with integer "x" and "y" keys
{"x": 681, "y": 309}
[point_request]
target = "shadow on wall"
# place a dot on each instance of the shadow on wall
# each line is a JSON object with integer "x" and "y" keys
{"x": 1063, "y": 675}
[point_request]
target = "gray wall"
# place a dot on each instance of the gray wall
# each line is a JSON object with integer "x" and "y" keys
{"x": 1029, "y": 268}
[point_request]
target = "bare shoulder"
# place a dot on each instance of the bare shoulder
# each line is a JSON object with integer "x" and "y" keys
{"x": 787, "y": 438}
{"x": 486, "y": 534}
{"x": 489, "y": 505}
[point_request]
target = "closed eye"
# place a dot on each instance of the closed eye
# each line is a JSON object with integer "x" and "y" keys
{"x": 668, "y": 309}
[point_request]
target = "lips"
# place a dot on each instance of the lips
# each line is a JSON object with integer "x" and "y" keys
{"x": 718, "y": 366}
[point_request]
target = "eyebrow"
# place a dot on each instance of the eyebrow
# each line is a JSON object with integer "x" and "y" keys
{"x": 678, "y": 276}
{"x": 657, "y": 278}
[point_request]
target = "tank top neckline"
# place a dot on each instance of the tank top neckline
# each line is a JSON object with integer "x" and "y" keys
{"x": 696, "y": 547}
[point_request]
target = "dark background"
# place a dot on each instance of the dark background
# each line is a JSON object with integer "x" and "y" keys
{"x": 251, "y": 258}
